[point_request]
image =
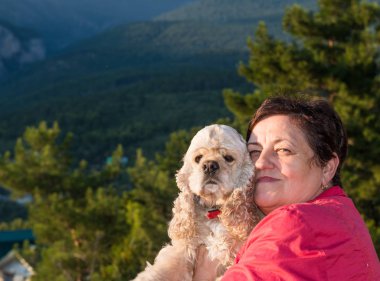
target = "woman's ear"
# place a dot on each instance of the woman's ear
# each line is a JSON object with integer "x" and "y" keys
{"x": 329, "y": 169}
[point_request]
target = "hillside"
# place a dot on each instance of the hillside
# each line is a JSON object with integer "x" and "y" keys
{"x": 18, "y": 47}
{"x": 242, "y": 11}
{"x": 61, "y": 23}
{"x": 133, "y": 84}
{"x": 227, "y": 11}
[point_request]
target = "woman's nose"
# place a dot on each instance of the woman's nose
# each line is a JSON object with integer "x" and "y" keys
{"x": 264, "y": 161}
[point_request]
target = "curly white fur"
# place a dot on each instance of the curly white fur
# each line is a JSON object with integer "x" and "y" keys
{"x": 216, "y": 173}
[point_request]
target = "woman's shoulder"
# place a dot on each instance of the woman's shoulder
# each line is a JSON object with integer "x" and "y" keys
{"x": 316, "y": 238}
{"x": 325, "y": 215}
{"x": 333, "y": 213}
{"x": 330, "y": 226}
{"x": 324, "y": 223}
{"x": 333, "y": 200}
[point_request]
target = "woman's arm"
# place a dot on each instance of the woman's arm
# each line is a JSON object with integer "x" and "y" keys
{"x": 205, "y": 269}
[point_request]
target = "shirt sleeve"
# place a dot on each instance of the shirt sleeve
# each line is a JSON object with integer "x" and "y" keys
{"x": 281, "y": 247}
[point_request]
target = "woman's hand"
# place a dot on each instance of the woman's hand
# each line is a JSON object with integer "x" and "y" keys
{"x": 205, "y": 269}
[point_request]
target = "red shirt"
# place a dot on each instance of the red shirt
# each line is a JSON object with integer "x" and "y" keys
{"x": 322, "y": 239}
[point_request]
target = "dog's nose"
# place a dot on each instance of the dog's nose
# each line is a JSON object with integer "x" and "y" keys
{"x": 210, "y": 167}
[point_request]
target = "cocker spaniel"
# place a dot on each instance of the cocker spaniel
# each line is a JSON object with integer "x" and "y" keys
{"x": 215, "y": 206}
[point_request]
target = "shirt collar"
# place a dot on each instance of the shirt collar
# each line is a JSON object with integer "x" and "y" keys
{"x": 335, "y": 190}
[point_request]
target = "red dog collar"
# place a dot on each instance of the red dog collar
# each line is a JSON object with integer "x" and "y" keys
{"x": 212, "y": 214}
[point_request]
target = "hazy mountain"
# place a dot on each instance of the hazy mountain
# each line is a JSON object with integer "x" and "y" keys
{"x": 18, "y": 47}
{"x": 227, "y": 10}
{"x": 133, "y": 85}
{"x": 240, "y": 11}
{"x": 136, "y": 83}
{"x": 63, "y": 22}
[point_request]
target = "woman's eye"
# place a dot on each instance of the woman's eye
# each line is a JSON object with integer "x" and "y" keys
{"x": 283, "y": 151}
{"x": 255, "y": 153}
{"x": 228, "y": 158}
{"x": 198, "y": 158}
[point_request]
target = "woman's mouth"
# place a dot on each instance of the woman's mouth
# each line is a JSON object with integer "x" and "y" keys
{"x": 266, "y": 179}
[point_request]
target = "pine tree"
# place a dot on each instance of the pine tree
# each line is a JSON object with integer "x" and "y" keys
{"x": 334, "y": 53}
{"x": 84, "y": 226}
{"x": 154, "y": 189}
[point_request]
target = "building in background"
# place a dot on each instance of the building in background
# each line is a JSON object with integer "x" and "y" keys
{"x": 12, "y": 266}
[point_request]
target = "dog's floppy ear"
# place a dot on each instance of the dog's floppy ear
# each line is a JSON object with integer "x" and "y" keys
{"x": 240, "y": 214}
{"x": 182, "y": 177}
{"x": 183, "y": 225}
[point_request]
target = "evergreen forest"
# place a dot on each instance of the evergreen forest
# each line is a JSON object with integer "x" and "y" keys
{"x": 102, "y": 220}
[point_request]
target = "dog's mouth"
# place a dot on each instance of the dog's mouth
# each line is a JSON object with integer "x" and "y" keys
{"x": 210, "y": 185}
{"x": 210, "y": 182}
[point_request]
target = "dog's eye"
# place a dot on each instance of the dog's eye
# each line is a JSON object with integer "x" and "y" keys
{"x": 228, "y": 158}
{"x": 198, "y": 158}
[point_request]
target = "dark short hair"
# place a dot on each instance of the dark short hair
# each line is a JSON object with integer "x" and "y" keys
{"x": 321, "y": 125}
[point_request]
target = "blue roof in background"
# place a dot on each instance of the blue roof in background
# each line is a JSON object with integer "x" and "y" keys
{"x": 9, "y": 238}
{"x": 16, "y": 235}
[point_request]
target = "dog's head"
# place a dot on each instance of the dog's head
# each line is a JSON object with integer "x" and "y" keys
{"x": 216, "y": 163}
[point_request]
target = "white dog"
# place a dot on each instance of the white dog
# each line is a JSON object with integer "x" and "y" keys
{"x": 215, "y": 206}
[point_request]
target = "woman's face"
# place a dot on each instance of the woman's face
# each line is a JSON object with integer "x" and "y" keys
{"x": 285, "y": 172}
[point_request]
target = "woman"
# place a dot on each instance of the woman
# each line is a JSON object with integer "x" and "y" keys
{"x": 311, "y": 229}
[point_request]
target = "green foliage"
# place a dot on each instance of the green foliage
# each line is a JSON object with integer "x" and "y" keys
{"x": 154, "y": 188}
{"x": 80, "y": 235}
{"x": 38, "y": 163}
{"x": 85, "y": 228}
{"x": 153, "y": 181}
{"x": 15, "y": 224}
{"x": 242, "y": 106}
{"x": 334, "y": 54}
{"x": 11, "y": 210}
{"x": 130, "y": 112}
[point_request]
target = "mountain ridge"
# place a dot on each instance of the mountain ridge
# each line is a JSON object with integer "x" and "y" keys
{"x": 18, "y": 48}
{"x": 241, "y": 10}
{"x": 60, "y": 23}
{"x": 133, "y": 84}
